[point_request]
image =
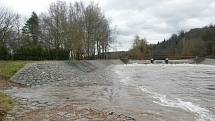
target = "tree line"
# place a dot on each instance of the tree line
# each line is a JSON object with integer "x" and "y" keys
{"x": 68, "y": 30}
{"x": 196, "y": 42}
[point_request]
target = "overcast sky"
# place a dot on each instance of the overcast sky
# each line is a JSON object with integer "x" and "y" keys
{"x": 152, "y": 19}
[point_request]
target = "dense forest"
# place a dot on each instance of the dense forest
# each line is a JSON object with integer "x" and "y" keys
{"x": 67, "y": 30}
{"x": 196, "y": 42}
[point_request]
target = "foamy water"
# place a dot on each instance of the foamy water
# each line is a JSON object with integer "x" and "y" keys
{"x": 202, "y": 113}
{"x": 182, "y": 86}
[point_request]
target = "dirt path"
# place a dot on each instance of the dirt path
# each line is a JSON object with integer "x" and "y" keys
{"x": 73, "y": 113}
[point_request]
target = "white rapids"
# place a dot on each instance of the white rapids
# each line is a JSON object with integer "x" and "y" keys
{"x": 184, "y": 86}
{"x": 202, "y": 113}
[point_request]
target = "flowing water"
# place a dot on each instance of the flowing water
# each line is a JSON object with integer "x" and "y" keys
{"x": 146, "y": 92}
{"x": 182, "y": 92}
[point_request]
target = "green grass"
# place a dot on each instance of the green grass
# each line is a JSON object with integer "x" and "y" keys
{"x": 6, "y": 104}
{"x": 9, "y": 68}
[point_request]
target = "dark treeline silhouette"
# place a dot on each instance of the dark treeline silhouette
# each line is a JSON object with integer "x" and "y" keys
{"x": 196, "y": 42}
{"x": 67, "y": 30}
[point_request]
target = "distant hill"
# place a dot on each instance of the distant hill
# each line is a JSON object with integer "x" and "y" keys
{"x": 196, "y": 42}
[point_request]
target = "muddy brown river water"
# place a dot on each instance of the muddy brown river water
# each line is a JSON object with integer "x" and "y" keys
{"x": 160, "y": 92}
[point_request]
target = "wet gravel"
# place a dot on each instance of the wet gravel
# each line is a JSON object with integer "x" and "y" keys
{"x": 52, "y": 85}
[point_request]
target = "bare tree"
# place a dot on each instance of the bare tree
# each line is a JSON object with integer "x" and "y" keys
{"x": 84, "y": 31}
{"x": 8, "y": 31}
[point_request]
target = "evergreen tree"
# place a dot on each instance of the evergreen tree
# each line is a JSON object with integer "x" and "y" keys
{"x": 31, "y": 30}
{"x": 31, "y": 39}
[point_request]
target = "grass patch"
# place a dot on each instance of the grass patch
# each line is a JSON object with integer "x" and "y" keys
{"x": 6, "y": 104}
{"x": 9, "y": 68}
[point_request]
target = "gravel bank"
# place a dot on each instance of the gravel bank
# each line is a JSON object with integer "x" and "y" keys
{"x": 60, "y": 73}
{"x": 54, "y": 84}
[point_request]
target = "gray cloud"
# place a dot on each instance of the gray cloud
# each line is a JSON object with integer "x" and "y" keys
{"x": 157, "y": 19}
{"x": 152, "y": 19}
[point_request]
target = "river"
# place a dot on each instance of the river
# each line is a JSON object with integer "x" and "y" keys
{"x": 169, "y": 92}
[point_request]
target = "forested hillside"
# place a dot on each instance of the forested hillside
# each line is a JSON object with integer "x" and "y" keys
{"x": 196, "y": 42}
{"x": 66, "y": 30}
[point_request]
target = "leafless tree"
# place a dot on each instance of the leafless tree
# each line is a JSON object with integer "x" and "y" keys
{"x": 82, "y": 30}
{"x": 9, "y": 28}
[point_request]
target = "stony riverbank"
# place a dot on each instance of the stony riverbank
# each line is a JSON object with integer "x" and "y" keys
{"x": 62, "y": 90}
